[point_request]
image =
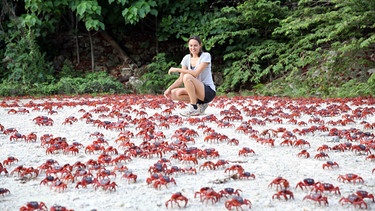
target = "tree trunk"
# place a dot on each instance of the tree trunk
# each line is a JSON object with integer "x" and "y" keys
{"x": 76, "y": 33}
{"x": 127, "y": 61}
{"x": 92, "y": 53}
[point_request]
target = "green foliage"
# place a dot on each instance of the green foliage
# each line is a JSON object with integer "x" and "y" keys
{"x": 98, "y": 82}
{"x": 265, "y": 40}
{"x": 181, "y": 19}
{"x": 156, "y": 80}
{"x": 249, "y": 49}
{"x": 68, "y": 71}
{"x": 90, "y": 12}
{"x": 302, "y": 47}
{"x": 25, "y": 64}
{"x": 138, "y": 10}
{"x": 11, "y": 89}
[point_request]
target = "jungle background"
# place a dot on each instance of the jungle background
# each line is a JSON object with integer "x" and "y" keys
{"x": 305, "y": 48}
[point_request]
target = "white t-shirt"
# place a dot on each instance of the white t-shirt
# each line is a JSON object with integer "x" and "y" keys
{"x": 206, "y": 75}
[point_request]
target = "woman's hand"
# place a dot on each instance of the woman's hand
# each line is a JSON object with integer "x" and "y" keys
{"x": 172, "y": 70}
{"x": 167, "y": 93}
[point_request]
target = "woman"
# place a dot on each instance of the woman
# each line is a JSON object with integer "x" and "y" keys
{"x": 195, "y": 74}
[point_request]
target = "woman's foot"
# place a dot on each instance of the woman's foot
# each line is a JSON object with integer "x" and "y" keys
{"x": 190, "y": 111}
{"x": 202, "y": 107}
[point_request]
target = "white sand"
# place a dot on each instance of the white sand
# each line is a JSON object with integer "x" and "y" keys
{"x": 267, "y": 163}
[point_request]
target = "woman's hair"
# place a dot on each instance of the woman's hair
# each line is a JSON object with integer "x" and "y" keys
{"x": 194, "y": 37}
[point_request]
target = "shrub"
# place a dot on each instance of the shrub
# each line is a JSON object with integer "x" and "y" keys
{"x": 156, "y": 80}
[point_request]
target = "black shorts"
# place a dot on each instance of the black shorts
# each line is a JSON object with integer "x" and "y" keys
{"x": 209, "y": 95}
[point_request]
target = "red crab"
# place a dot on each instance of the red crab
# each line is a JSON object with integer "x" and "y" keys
{"x": 158, "y": 168}
{"x": 224, "y": 124}
{"x": 71, "y": 149}
{"x": 301, "y": 143}
{"x": 245, "y": 151}
{"x": 130, "y": 176}
{"x": 104, "y": 173}
{"x": 212, "y": 136}
{"x": 12, "y": 111}
{"x": 287, "y": 142}
{"x": 17, "y": 136}
{"x": 106, "y": 184}
{"x": 269, "y": 141}
{"x": 10, "y": 160}
{"x": 279, "y": 182}
{"x": 4, "y": 191}
{"x": 324, "y": 148}
{"x": 237, "y": 202}
{"x": 202, "y": 192}
{"x": 57, "y": 170}
{"x": 167, "y": 111}
{"x": 153, "y": 177}
{"x": 34, "y": 206}
{"x": 230, "y": 191}
{"x": 330, "y": 164}
{"x": 233, "y": 141}
{"x": 189, "y": 158}
{"x": 209, "y": 194}
{"x": 190, "y": 170}
{"x": 371, "y": 157}
{"x": 234, "y": 169}
{"x": 209, "y": 165}
{"x": 23, "y": 171}
{"x": 308, "y": 182}
{"x": 23, "y": 110}
{"x": 94, "y": 147}
{"x": 285, "y": 193}
{"x": 245, "y": 175}
{"x": 361, "y": 149}
{"x": 48, "y": 179}
{"x": 97, "y": 134}
{"x": 31, "y": 137}
{"x": 175, "y": 198}
{"x": 354, "y": 200}
{"x": 303, "y": 153}
{"x": 120, "y": 168}
{"x": 317, "y": 197}
{"x": 221, "y": 162}
{"x": 163, "y": 180}
{"x": 364, "y": 194}
{"x": 59, "y": 186}
{"x": 3, "y": 169}
{"x": 210, "y": 152}
{"x": 350, "y": 178}
{"x": 321, "y": 155}
{"x": 10, "y": 131}
{"x": 321, "y": 187}
{"x": 85, "y": 181}
{"x": 59, "y": 208}
{"x": 174, "y": 170}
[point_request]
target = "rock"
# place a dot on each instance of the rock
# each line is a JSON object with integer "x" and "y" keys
{"x": 371, "y": 71}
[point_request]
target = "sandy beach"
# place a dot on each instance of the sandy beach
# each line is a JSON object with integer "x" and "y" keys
{"x": 258, "y": 140}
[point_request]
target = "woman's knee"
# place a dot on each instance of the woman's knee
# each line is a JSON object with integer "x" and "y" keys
{"x": 174, "y": 94}
{"x": 187, "y": 77}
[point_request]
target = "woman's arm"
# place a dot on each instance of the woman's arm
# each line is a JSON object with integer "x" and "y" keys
{"x": 176, "y": 84}
{"x": 184, "y": 70}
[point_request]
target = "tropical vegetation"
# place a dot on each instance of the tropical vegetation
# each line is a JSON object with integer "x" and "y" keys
{"x": 295, "y": 48}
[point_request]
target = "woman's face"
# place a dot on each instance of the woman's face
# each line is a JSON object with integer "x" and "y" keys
{"x": 194, "y": 47}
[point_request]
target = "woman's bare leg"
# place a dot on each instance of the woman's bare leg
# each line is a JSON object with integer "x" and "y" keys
{"x": 180, "y": 94}
{"x": 194, "y": 88}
